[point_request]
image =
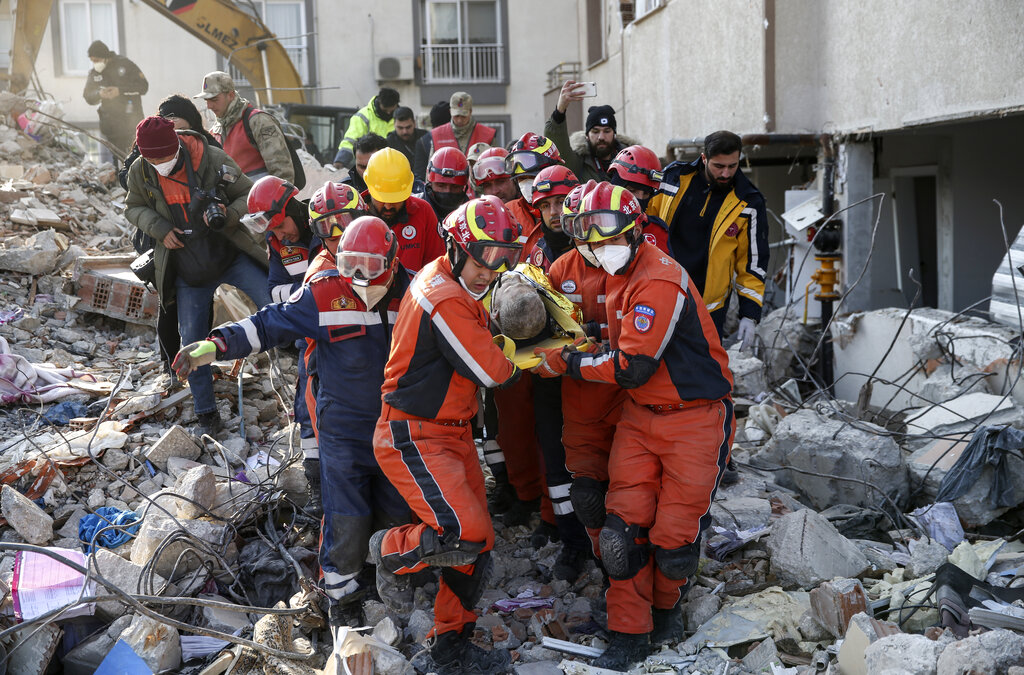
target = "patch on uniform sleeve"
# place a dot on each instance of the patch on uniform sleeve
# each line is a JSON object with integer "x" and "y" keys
{"x": 294, "y": 297}
{"x": 650, "y": 238}
{"x": 643, "y": 318}
{"x": 568, "y": 286}
{"x": 733, "y": 230}
{"x": 538, "y": 258}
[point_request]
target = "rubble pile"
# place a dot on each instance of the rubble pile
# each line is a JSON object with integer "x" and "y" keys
{"x": 133, "y": 544}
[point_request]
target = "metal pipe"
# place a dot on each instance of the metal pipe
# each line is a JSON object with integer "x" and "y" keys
{"x": 828, "y": 208}
{"x": 266, "y": 74}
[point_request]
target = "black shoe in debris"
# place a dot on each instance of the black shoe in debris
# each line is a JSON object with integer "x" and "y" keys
{"x": 453, "y": 654}
{"x": 624, "y": 650}
{"x": 315, "y": 504}
{"x": 395, "y": 590}
{"x": 543, "y": 533}
{"x": 209, "y": 423}
{"x": 503, "y": 497}
{"x": 730, "y": 476}
{"x": 668, "y": 626}
{"x": 521, "y": 512}
{"x": 570, "y": 564}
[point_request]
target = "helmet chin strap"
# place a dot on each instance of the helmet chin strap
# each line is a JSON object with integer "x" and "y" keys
{"x": 476, "y": 296}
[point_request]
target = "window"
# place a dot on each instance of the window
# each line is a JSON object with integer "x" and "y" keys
{"x": 595, "y": 31}
{"x": 82, "y": 22}
{"x": 461, "y": 42}
{"x": 286, "y": 19}
{"x": 647, "y": 6}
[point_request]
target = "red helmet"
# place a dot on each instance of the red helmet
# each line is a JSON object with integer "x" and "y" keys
{"x": 267, "y": 200}
{"x": 571, "y": 203}
{"x": 605, "y": 212}
{"x": 448, "y": 165}
{"x": 490, "y": 165}
{"x": 484, "y": 229}
{"x": 333, "y": 207}
{"x": 530, "y": 154}
{"x": 637, "y": 164}
{"x": 553, "y": 181}
{"x": 368, "y": 252}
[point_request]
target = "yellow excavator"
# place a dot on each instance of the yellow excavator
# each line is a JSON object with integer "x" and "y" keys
{"x": 242, "y": 39}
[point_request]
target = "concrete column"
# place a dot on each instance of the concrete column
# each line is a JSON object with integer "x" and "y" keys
{"x": 856, "y": 167}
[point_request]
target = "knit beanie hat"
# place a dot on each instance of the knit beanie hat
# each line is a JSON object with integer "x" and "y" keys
{"x": 99, "y": 50}
{"x": 600, "y": 116}
{"x": 178, "y": 106}
{"x": 440, "y": 114}
{"x": 156, "y": 138}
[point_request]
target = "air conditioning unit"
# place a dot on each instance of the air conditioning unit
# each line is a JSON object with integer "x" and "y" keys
{"x": 391, "y": 68}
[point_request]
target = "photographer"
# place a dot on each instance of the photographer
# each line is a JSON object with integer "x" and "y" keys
{"x": 189, "y": 197}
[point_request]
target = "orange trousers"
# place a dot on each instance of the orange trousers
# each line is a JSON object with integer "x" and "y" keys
{"x": 664, "y": 471}
{"x": 435, "y": 468}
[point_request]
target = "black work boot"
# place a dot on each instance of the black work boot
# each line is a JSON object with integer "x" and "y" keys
{"x": 624, "y": 650}
{"x": 453, "y": 654}
{"x": 543, "y": 533}
{"x": 395, "y": 590}
{"x": 315, "y": 505}
{"x": 504, "y": 496}
{"x": 521, "y": 512}
{"x": 570, "y": 563}
{"x": 730, "y": 476}
{"x": 668, "y": 626}
{"x": 209, "y": 423}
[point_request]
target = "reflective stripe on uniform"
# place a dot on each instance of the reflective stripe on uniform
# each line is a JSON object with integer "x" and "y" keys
{"x": 251, "y": 334}
{"x": 676, "y": 311}
{"x": 450, "y": 337}
{"x": 281, "y": 293}
{"x": 354, "y": 317}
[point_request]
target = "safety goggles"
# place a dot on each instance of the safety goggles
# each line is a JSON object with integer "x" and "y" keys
{"x": 368, "y": 266}
{"x": 448, "y": 173}
{"x": 654, "y": 174}
{"x": 525, "y": 161}
{"x": 546, "y": 185}
{"x": 258, "y": 223}
{"x": 494, "y": 254}
{"x": 490, "y": 168}
{"x": 334, "y": 224}
{"x": 607, "y": 224}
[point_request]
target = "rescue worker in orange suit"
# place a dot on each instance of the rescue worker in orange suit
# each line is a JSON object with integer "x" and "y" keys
{"x": 441, "y": 353}
{"x": 492, "y": 177}
{"x": 672, "y": 441}
{"x": 350, "y": 311}
{"x": 389, "y": 183}
{"x": 638, "y": 169}
{"x": 447, "y": 181}
{"x": 461, "y": 133}
{"x": 529, "y": 155}
{"x": 275, "y": 211}
{"x": 587, "y": 430}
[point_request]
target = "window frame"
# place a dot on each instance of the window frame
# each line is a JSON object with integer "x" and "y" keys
{"x": 309, "y": 77}
{"x": 60, "y": 45}
{"x": 422, "y": 37}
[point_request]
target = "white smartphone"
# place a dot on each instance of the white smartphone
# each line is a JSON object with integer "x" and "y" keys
{"x": 589, "y": 89}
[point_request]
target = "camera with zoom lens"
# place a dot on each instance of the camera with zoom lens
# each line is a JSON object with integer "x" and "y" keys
{"x": 206, "y": 204}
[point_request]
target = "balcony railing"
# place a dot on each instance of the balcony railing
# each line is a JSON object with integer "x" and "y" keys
{"x": 455, "y": 63}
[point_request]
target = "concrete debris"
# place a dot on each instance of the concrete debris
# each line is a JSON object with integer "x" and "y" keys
{"x": 926, "y": 556}
{"x": 748, "y": 373}
{"x": 175, "y": 442}
{"x": 834, "y": 603}
{"x": 32, "y": 523}
{"x": 125, "y": 575}
{"x": 809, "y": 441}
{"x": 985, "y": 654}
{"x": 37, "y": 255}
{"x": 156, "y": 643}
{"x": 806, "y": 550}
{"x": 862, "y": 632}
{"x": 903, "y": 654}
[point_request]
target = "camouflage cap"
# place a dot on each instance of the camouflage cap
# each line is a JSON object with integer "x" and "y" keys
{"x": 461, "y": 103}
{"x": 217, "y": 82}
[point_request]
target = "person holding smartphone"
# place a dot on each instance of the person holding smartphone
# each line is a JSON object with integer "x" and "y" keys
{"x": 588, "y": 153}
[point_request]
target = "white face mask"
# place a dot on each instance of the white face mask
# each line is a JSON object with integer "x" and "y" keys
{"x": 526, "y": 187}
{"x": 98, "y": 67}
{"x": 371, "y": 295}
{"x": 588, "y": 255}
{"x": 613, "y": 257}
{"x": 476, "y": 296}
{"x": 165, "y": 168}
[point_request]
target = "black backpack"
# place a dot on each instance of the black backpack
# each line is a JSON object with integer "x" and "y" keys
{"x": 293, "y": 144}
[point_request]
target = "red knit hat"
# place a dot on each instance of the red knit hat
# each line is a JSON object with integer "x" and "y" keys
{"x": 156, "y": 138}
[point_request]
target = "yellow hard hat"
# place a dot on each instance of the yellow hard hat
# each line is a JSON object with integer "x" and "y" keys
{"x": 388, "y": 176}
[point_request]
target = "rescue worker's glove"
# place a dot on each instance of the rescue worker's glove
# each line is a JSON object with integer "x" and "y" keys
{"x": 745, "y": 334}
{"x": 552, "y": 362}
{"x": 196, "y": 355}
{"x": 585, "y": 344}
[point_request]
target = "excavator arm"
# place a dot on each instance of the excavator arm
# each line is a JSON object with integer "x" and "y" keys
{"x": 242, "y": 39}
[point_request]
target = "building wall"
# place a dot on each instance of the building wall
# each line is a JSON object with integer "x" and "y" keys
{"x": 350, "y": 37}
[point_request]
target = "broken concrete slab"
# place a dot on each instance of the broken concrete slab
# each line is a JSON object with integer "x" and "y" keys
{"x": 834, "y": 603}
{"x": 762, "y": 657}
{"x": 155, "y": 530}
{"x": 32, "y": 523}
{"x": 809, "y": 441}
{"x": 39, "y": 254}
{"x": 748, "y": 373}
{"x": 125, "y": 575}
{"x": 698, "y": 610}
{"x": 903, "y": 654}
{"x": 175, "y": 442}
{"x": 962, "y": 414}
{"x": 985, "y": 654}
{"x": 223, "y": 620}
{"x": 741, "y": 513}
{"x": 926, "y": 556}
{"x": 33, "y": 653}
{"x": 198, "y": 490}
{"x": 862, "y": 632}
{"x": 770, "y": 613}
{"x": 784, "y": 341}
{"x": 158, "y": 644}
{"x": 806, "y": 550}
